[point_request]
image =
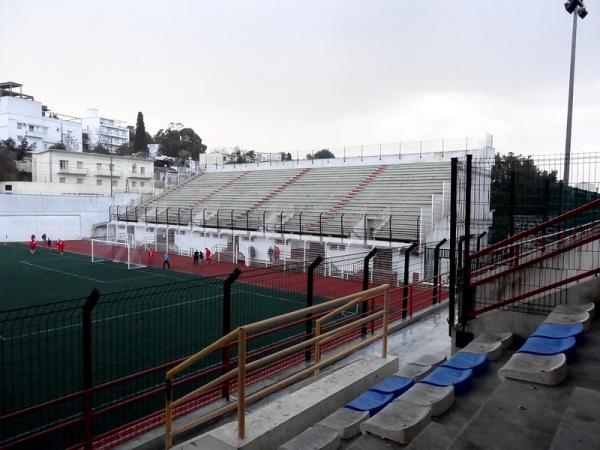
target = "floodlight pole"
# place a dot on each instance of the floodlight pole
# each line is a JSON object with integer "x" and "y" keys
{"x": 570, "y": 104}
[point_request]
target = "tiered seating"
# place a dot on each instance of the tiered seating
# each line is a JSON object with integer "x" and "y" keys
{"x": 543, "y": 357}
{"x": 399, "y": 190}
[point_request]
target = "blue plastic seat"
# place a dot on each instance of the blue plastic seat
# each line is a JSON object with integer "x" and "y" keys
{"x": 554, "y": 331}
{"x": 394, "y": 385}
{"x": 548, "y": 346}
{"x": 446, "y": 376}
{"x": 370, "y": 401}
{"x": 464, "y": 360}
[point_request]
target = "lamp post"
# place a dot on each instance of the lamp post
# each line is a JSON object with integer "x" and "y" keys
{"x": 576, "y": 8}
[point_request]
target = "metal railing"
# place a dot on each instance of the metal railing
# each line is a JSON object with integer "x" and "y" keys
{"x": 240, "y": 337}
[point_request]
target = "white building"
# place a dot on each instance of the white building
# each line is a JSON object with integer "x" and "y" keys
{"x": 91, "y": 173}
{"x": 21, "y": 117}
{"x": 109, "y": 133}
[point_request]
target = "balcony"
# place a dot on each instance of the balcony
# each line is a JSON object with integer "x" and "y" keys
{"x": 141, "y": 176}
{"x": 107, "y": 173}
{"x": 68, "y": 170}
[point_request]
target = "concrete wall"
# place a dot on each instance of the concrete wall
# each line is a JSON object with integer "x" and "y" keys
{"x": 57, "y": 216}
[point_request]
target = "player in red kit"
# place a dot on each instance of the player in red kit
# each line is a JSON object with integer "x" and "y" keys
{"x": 32, "y": 246}
{"x": 150, "y": 256}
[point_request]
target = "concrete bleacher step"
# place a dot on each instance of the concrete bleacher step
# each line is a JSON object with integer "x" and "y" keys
{"x": 491, "y": 350}
{"x": 580, "y": 425}
{"x": 316, "y": 437}
{"x": 504, "y": 338}
{"x": 399, "y": 421}
{"x": 569, "y": 319}
{"x": 438, "y": 398}
{"x": 429, "y": 360}
{"x": 589, "y": 308}
{"x": 345, "y": 421}
{"x": 547, "y": 370}
{"x": 414, "y": 371}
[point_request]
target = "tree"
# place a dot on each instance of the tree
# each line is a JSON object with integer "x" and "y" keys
{"x": 179, "y": 142}
{"x": 99, "y": 148}
{"x": 8, "y": 169}
{"x": 140, "y": 144}
{"x": 58, "y": 146}
{"x": 321, "y": 154}
{"x": 286, "y": 156}
{"x": 124, "y": 149}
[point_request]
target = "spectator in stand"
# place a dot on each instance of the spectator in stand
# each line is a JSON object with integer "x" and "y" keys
{"x": 196, "y": 257}
{"x": 270, "y": 253}
{"x": 276, "y": 252}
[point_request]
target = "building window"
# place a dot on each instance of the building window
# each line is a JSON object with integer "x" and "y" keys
{"x": 133, "y": 168}
{"x": 79, "y": 180}
{"x": 99, "y": 166}
{"x": 64, "y": 164}
{"x": 142, "y": 170}
{"x": 20, "y": 125}
{"x": 142, "y": 184}
{"x": 98, "y": 182}
{"x": 31, "y": 128}
{"x": 61, "y": 180}
{"x": 133, "y": 184}
{"x": 114, "y": 183}
{"x": 80, "y": 164}
{"x": 8, "y": 187}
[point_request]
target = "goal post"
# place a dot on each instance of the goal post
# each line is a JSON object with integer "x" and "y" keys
{"x": 118, "y": 252}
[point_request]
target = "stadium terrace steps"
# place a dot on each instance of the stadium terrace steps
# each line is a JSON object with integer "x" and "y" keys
{"x": 347, "y": 197}
{"x": 580, "y": 423}
{"x": 345, "y": 421}
{"x": 558, "y": 318}
{"x": 400, "y": 421}
{"x": 316, "y": 437}
{"x": 219, "y": 189}
{"x": 547, "y": 370}
{"x": 277, "y": 190}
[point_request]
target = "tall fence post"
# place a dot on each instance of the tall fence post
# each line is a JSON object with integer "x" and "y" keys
{"x": 227, "y": 326}
{"x": 405, "y": 288}
{"x": 479, "y": 237}
{"x": 512, "y": 203}
{"x": 88, "y": 381}
{"x": 466, "y": 285}
{"x": 365, "y": 286}
{"x": 452, "y": 277}
{"x": 436, "y": 270}
{"x": 309, "y": 300}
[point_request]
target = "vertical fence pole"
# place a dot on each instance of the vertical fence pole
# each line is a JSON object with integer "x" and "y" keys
{"x": 241, "y": 405}
{"x": 405, "y": 288}
{"x": 466, "y": 285}
{"x": 452, "y": 276}
{"x": 479, "y": 237}
{"x": 88, "y": 307}
{"x": 309, "y": 300}
{"x": 248, "y": 220}
{"x": 320, "y": 224}
{"x": 300, "y": 223}
{"x": 167, "y": 215}
{"x": 227, "y": 326}
{"x": 156, "y": 215}
{"x": 218, "y": 224}
{"x": 191, "y": 219}
{"x": 342, "y": 225}
{"x": 512, "y": 203}
{"x": 365, "y": 286}
{"x": 146, "y": 214}
{"x": 436, "y": 270}
{"x": 204, "y": 219}
{"x": 390, "y": 228}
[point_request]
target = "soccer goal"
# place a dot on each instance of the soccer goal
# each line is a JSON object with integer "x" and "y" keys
{"x": 118, "y": 252}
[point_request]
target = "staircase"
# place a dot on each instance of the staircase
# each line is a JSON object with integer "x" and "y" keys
{"x": 276, "y": 191}
{"x": 331, "y": 213}
{"x": 219, "y": 189}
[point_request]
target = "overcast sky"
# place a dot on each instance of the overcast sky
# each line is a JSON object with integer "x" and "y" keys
{"x": 285, "y": 75}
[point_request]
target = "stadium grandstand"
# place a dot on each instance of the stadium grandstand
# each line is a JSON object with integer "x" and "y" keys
{"x": 425, "y": 300}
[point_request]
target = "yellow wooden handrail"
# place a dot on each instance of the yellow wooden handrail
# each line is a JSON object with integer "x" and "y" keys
{"x": 240, "y": 335}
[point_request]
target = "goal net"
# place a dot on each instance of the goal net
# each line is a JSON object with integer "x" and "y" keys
{"x": 118, "y": 252}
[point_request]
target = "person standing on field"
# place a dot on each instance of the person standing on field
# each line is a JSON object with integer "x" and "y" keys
{"x": 196, "y": 257}
{"x": 166, "y": 262}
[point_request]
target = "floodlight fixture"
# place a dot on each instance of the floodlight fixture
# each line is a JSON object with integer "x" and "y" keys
{"x": 572, "y": 5}
{"x": 582, "y": 12}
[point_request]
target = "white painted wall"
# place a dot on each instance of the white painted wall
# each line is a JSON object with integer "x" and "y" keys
{"x": 58, "y": 216}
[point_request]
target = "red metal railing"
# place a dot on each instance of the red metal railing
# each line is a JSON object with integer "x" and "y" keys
{"x": 536, "y": 262}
